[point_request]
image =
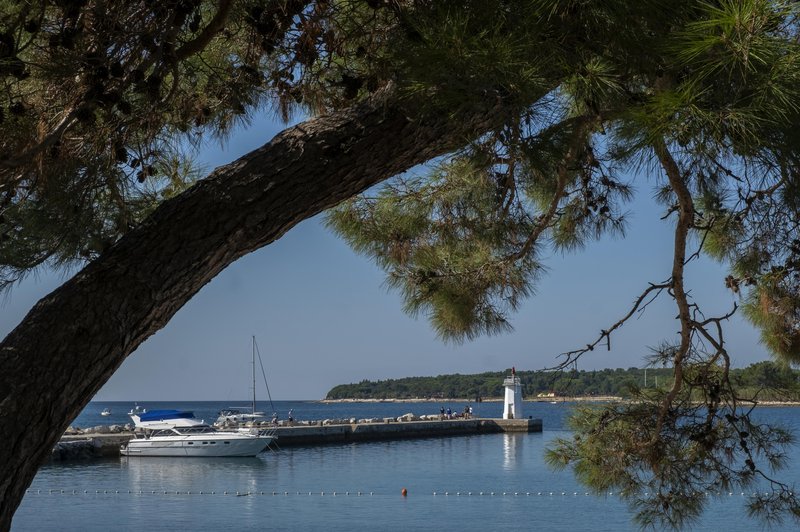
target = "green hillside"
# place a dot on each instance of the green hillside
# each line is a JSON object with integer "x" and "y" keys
{"x": 770, "y": 380}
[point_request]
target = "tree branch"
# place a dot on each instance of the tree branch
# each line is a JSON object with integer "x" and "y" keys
{"x": 682, "y": 227}
{"x": 215, "y": 25}
{"x": 572, "y": 356}
{"x": 74, "y": 339}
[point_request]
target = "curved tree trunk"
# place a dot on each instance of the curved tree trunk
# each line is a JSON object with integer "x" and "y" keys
{"x": 72, "y": 341}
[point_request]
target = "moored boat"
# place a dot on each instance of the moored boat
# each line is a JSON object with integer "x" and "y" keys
{"x": 179, "y": 433}
{"x": 137, "y": 410}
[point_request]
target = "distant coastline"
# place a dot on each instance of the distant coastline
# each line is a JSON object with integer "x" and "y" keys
{"x": 565, "y": 399}
{"x": 576, "y": 399}
{"x": 772, "y": 384}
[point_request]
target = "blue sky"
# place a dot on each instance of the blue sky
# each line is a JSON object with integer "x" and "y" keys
{"x": 322, "y": 315}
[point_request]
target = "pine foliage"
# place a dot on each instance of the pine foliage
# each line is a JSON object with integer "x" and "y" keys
{"x": 700, "y": 99}
{"x": 594, "y": 100}
{"x": 102, "y": 104}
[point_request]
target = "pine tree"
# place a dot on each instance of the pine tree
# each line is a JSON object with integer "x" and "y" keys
{"x": 534, "y": 113}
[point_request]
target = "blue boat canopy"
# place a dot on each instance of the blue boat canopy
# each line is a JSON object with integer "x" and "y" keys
{"x": 160, "y": 415}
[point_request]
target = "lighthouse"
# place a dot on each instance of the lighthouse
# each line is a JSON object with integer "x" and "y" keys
{"x": 512, "y": 407}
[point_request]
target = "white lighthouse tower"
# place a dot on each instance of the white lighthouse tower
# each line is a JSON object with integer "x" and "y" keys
{"x": 512, "y": 408}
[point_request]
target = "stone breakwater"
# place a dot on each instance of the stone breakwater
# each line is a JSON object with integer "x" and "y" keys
{"x": 105, "y": 441}
{"x": 391, "y": 429}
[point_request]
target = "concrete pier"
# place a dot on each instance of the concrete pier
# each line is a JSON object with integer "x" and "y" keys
{"x": 364, "y": 432}
{"x": 85, "y": 446}
{"x": 105, "y": 445}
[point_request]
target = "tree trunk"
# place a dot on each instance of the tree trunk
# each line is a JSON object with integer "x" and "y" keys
{"x": 74, "y": 339}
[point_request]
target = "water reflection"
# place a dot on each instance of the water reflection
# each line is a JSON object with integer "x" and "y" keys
{"x": 512, "y": 451}
{"x": 194, "y": 474}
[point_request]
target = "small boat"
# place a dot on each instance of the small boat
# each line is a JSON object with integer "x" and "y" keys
{"x": 136, "y": 410}
{"x": 239, "y": 415}
{"x": 179, "y": 433}
{"x": 105, "y": 412}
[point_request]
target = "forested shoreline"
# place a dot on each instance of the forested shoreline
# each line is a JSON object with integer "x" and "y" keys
{"x": 771, "y": 382}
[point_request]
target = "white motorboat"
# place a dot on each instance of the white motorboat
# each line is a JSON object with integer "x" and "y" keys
{"x": 106, "y": 412}
{"x": 179, "y": 433}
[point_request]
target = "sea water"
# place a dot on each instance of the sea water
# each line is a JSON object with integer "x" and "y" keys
{"x": 480, "y": 482}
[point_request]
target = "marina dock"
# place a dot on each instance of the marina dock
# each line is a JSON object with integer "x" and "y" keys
{"x": 90, "y": 445}
{"x": 364, "y": 432}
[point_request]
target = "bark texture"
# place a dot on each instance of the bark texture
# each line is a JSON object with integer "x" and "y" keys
{"x": 74, "y": 339}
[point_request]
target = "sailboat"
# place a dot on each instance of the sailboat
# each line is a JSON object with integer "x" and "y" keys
{"x": 242, "y": 415}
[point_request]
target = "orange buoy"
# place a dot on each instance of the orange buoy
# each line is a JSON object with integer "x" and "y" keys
{"x": 404, "y": 492}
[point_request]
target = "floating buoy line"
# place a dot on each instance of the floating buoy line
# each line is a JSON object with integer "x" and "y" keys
{"x": 403, "y": 492}
{"x": 203, "y": 492}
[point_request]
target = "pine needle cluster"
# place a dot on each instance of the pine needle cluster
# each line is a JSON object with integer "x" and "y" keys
{"x": 104, "y": 104}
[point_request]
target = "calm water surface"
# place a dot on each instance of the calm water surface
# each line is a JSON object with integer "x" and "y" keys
{"x": 457, "y": 469}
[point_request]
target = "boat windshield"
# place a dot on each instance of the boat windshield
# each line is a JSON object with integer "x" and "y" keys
{"x": 182, "y": 431}
{"x": 202, "y": 429}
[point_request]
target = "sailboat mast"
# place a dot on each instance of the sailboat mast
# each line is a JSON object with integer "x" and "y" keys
{"x": 254, "y": 374}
